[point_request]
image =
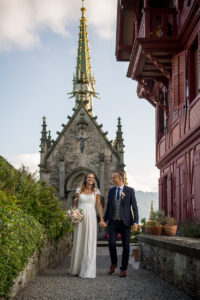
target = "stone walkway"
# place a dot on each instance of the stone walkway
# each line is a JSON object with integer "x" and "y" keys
{"x": 56, "y": 284}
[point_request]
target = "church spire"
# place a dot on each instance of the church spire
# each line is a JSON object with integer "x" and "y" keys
{"x": 83, "y": 80}
{"x": 83, "y": 58}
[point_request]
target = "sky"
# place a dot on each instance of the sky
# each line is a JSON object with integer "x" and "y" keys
{"x": 38, "y": 48}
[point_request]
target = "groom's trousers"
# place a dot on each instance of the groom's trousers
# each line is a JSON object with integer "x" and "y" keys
{"x": 116, "y": 227}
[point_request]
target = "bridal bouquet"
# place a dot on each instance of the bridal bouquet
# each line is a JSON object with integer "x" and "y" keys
{"x": 75, "y": 215}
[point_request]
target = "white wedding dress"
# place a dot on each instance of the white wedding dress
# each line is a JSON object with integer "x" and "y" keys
{"x": 83, "y": 260}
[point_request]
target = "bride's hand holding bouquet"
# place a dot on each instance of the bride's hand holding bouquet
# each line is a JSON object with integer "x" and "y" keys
{"x": 75, "y": 215}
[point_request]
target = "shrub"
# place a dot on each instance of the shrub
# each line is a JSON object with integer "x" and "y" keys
{"x": 190, "y": 228}
{"x": 35, "y": 198}
{"x": 20, "y": 236}
{"x": 29, "y": 212}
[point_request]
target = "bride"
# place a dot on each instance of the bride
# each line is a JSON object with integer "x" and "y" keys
{"x": 83, "y": 260}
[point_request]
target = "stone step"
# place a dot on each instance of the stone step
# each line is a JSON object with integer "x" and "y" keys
{"x": 119, "y": 244}
{"x": 105, "y": 243}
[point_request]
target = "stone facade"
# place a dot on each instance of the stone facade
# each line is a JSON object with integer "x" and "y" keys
{"x": 78, "y": 150}
{"x": 175, "y": 259}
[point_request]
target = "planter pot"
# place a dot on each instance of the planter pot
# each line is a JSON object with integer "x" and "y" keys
{"x": 143, "y": 229}
{"x": 170, "y": 229}
{"x": 157, "y": 230}
{"x": 148, "y": 229}
{"x": 136, "y": 254}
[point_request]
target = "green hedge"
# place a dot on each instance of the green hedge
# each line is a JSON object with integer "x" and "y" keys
{"x": 35, "y": 199}
{"x": 20, "y": 236}
{"x": 29, "y": 212}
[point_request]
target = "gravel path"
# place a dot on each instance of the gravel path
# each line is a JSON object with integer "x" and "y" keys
{"x": 57, "y": 284}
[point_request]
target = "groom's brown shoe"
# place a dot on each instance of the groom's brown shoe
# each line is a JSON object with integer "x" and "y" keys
{"x": 112, "y": 269}
{"x": 123, "y": 273}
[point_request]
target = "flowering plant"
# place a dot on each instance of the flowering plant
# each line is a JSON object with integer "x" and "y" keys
{"x": 123, "y": 195}
{"x": 75, "y": 215}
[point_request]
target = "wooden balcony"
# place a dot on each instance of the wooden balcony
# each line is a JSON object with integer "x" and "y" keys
{"x": 158, "y": 23}
{"x": 154, "y": 45}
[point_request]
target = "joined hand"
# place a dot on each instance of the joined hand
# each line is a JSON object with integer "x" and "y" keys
{"x": 135, "y": 227}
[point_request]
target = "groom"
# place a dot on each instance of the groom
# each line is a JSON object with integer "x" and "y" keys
{"x": 120, "y": 219}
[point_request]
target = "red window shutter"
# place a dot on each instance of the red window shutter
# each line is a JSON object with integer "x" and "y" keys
{"x": 197, "y": 184}
{"x": 177, "y": 204}
{"x": 179, "y": 80}
{"x": 169, "y": 195}
{"x": 161, "y": 122}
{"x": 160, "y": 193}
{"x": 199, "y": 57}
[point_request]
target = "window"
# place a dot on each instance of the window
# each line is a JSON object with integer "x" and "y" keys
{"x": 179, "y": 80}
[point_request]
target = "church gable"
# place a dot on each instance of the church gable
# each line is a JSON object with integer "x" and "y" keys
{"x": 82, "y": 127}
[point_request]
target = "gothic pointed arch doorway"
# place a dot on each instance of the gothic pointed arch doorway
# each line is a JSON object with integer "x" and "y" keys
{"x": 74, "y": 180}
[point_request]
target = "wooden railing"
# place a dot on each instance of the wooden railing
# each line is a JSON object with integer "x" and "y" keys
{"x": 158, "y": 23}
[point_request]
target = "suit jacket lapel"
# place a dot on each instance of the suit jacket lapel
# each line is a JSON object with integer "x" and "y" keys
{"x": 124, "y": 190}
{"x": 113, "y": 195}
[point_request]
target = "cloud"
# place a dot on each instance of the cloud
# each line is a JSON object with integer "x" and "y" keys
{"x": 30, "y": 160}
{"x": 144, "y": 182}
{"x": 102, "y": 14}
{"x": 22, "y": 21}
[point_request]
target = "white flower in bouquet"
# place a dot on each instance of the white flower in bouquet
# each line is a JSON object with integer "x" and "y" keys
{"x": 75, "y": 215}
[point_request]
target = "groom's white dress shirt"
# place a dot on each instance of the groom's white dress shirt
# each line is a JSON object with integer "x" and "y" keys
{"x": 120, "y": 191}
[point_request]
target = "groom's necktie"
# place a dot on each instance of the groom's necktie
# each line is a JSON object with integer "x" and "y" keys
{"x": 118, "y": 193}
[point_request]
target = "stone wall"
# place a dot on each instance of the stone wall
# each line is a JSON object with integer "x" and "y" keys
{"x": 175, "y": 259}
{"x": 51, "y": 254}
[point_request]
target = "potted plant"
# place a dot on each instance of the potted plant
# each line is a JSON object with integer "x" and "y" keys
{"x": 170, "y": 227}
{"x": 144, "y": 223}
{"x": 156, "y": 228}
{"x": 148, "y": 227}
{"x": 158, "y": 220}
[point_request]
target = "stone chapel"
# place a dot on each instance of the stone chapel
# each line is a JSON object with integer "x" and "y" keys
{"x": 82, "y": 146}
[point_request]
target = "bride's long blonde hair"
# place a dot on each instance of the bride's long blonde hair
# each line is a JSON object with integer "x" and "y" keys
{"x": 84, "y": 185}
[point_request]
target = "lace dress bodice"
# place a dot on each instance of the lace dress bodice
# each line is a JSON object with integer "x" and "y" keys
{"x": 87, "y": 199}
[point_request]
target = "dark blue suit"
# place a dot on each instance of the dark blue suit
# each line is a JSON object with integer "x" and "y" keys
{"x": 124, "y": 225}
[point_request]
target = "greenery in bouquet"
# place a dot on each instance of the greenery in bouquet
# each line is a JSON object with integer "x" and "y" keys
{"x": 74, "y": 215}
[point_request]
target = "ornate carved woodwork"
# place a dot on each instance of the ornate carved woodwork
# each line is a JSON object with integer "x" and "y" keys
{"x": 155, "y": 61}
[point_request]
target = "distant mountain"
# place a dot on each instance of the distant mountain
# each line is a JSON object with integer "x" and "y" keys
{"x": 144, "y": 203}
